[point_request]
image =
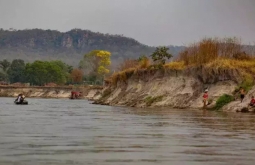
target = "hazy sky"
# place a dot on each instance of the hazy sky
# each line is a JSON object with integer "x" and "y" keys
{"x": 152, "y": 22}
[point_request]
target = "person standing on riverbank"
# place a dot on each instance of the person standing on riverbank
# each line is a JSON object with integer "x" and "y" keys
{"x": 242, "y": 94}
{"x": 205, "y": 98}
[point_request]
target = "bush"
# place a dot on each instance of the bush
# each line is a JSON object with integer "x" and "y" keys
{"x": 223, "y": 100}
{"x": 160, "y": 55}
{"x": 246, "y": 84}
{"x": 144, "y": 62}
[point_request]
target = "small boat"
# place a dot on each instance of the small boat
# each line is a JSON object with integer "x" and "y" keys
{"x": 76, "y": 95}
{"x": 25, "y": 102}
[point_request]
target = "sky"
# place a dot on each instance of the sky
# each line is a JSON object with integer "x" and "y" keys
{"x": 151, "y": 22}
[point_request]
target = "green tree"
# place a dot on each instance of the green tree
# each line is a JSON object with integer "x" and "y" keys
{"x": 160, "y": 55}
{"x": 36, "y": 72}
{"x": 5, "y": 65}
{"x": 55, "y": 73}
{"x": 3, "y": 76}
{"x": 66, "y": 69}
{"x": 16, "y": 71}
{"x": 42, "y": 72}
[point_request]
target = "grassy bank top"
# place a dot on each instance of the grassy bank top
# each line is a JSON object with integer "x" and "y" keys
{"x": 212, "y": 54}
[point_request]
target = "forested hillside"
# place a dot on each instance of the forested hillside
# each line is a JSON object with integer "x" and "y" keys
{"x": 37, "y": 44}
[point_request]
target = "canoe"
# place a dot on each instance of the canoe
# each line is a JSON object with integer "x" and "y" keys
{"x": 23, "y": 103}
{"x": 79, "y": 98}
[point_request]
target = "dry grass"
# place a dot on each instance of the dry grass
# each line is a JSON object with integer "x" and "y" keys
{"x": 248, "y": 65}
{"x": 127, "y": 64}
{"x": 209, "y": 50}
{"x": 127, "y": 69}
{"x": 216, "y": 55}
{"x": 176, "y": 65}
{"x": 246, "y": 68}
{"x": 121, "y": 76}
{"x": 144, "y": 63}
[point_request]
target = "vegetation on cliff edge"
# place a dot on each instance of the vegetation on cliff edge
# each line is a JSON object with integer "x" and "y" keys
{"x": 213, "y": 54}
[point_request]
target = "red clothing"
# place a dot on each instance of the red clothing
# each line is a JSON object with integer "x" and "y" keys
{"x": 75, "y": 94}
{"x": 252, "y": 101}
{"x": 205, "y": 96}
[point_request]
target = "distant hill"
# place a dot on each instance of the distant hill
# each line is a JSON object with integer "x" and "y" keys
{"x": 37, "y": 44}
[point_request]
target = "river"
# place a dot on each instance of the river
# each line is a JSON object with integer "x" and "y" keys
{"x": 66, "y": 132}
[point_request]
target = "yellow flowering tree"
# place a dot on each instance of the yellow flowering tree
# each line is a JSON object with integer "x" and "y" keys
{"x": 104, "y": 62}
{"x": 96, "y": 63}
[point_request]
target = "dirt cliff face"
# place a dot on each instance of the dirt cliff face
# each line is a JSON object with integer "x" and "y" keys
{"x": 179, "y": 89}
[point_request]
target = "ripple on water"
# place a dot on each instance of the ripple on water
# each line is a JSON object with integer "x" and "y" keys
{"x": 63, "y": 131}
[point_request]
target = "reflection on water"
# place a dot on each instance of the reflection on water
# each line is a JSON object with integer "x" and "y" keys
{"x": 52, "y": 131}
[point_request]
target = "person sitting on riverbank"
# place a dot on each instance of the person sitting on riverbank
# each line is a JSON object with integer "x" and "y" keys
{"x": 205, "y": 98}
{"x": 252, "y": 102}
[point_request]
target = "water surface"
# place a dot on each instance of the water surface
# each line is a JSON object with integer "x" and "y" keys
{"x": 65, "y": 132}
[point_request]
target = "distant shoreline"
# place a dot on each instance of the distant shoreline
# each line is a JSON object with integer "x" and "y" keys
{"x": 58, "y": 92}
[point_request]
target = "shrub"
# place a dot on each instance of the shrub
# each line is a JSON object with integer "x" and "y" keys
{"x": 160, "y": 55}
{"x": 248, "y": 82}
{"x": 144, "y": 62}
{"x": 223, "y": 100}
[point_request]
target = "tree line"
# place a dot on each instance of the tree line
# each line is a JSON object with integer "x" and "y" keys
{"x": 36, "y": 73}
{"x": 92, "y": 69}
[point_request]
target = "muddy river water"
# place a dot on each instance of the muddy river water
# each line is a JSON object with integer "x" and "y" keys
{"x": 66, "y": 132}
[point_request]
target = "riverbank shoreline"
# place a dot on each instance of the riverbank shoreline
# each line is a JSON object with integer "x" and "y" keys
{"x": 58, "y": 92}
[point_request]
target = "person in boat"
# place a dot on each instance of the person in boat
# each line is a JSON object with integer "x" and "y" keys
{"x": 74, "y": 95}
{"x": 20, "y": 98}
{"x": 205, "y": 98}
{"x": 242, "y": 93}
{"x": 252, "y": 102}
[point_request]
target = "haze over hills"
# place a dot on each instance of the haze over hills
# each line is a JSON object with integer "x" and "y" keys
{"x": 38, "y": 44}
